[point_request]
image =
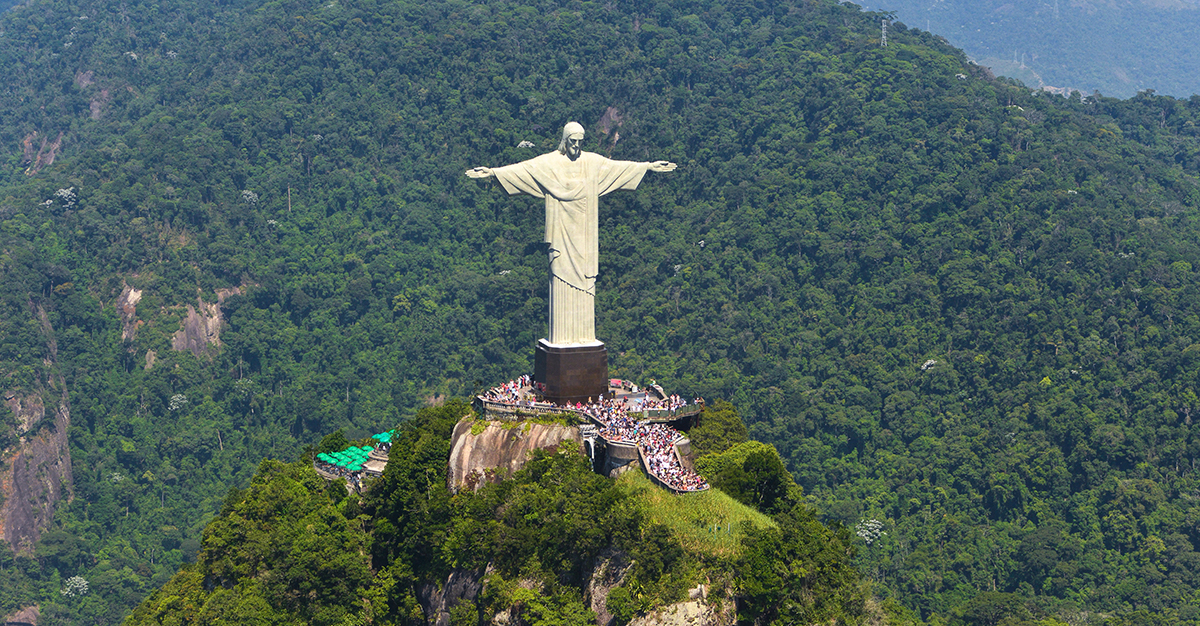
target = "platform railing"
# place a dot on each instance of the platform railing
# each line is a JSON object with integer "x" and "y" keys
{"x": 494, "y": 409}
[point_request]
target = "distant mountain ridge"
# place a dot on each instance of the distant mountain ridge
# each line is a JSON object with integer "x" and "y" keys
{"x": 1117, "y": 47}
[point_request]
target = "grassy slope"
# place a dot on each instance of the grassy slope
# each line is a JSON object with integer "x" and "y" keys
{"x": 708, "y": 523}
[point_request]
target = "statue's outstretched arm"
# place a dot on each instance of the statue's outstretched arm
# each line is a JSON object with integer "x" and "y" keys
{"x": 484, "y": 172}
{"x": 655, "y": 166}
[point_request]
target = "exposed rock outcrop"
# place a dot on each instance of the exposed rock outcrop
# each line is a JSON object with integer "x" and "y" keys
{"x": 28, "y": 409}
{"x": 99, "y": 97}
{"x": 608, "y": 573}
{"x": 96, "y": 106}
{"x": 127, "y": 309}
{"x": 500, "y": 449}
{"x": 199, "y": 329}
{"x": 611, "y": 120}
{"x": 436, "y": 602}
{"x": 37, "y": 473}
{"x": 202, "y": 326}
{"x": 695, "y": 612}
{"x": 27, "y": 616}
{"x": 45, "y": 154}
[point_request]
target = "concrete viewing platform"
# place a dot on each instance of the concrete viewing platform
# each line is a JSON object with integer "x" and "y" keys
{"x": 630, "y": 422}
{"x": 649, "y": 403}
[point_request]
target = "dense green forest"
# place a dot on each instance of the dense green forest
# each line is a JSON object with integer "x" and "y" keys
{"x": 960, "y": 309}
{"x": 1117, "y": 47}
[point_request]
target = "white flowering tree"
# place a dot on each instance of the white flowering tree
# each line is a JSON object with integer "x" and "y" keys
{"x": 74, "y": 587}
{"x": 869, "y": 530}
{"x": 66, "y": 196}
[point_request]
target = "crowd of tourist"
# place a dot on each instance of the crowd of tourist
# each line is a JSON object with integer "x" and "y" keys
{"x": 512, "y": 392}
{"x": 617, "y": 426}
{"x": 658, "y": 447}
{"x": 656, "y": 441}
{"x": 670, "y": 403}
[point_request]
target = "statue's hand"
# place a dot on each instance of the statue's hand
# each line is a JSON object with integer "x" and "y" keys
{"x": 479, "y": 172}
{"x": 662, "y": 166}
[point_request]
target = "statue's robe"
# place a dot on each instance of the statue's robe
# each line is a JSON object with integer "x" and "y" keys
{"x": 572, "y": 190}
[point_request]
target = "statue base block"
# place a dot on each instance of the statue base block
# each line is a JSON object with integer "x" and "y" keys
{"x": 571, "y": 373}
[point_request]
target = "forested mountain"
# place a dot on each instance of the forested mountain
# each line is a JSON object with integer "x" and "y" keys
{"x": 1117, "y": 47}
{"x": 958, "y": 308}
{"x": 534, "y": 549}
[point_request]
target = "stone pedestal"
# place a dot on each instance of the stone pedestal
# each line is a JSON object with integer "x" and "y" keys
{"x": 571, "y": 373}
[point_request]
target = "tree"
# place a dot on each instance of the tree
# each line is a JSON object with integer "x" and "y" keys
{"x": 719, "y": 428}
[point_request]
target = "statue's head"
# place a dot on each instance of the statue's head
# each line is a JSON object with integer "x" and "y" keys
{"x": 572, "y": 140}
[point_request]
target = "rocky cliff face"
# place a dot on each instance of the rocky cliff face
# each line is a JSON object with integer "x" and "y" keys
{"x": 500, "y": 449}
{"x": 436, "y": 601}
{"x": 36, "y": 472}
{"x": 27, "y": 616}
{"x": 199, "y": 332}
{"x": 202, "y": 326}
{"x": 698, "y": 611}
{"x": 199, "y": 329}
{"x": 127, "y": 308}
{"x": 607, "y": 572}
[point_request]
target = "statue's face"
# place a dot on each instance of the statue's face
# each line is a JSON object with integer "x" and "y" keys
{"x": 574, "y": 145}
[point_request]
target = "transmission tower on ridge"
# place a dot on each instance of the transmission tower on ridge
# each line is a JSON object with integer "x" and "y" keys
{"x": 883, "y": 37}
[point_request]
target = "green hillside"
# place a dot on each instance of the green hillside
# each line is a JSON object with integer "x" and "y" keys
{"x": 954, "y": 307}
{"x": 290, "y": 549}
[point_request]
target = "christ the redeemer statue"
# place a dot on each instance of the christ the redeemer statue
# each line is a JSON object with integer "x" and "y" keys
{"x": 571, "y": 181}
